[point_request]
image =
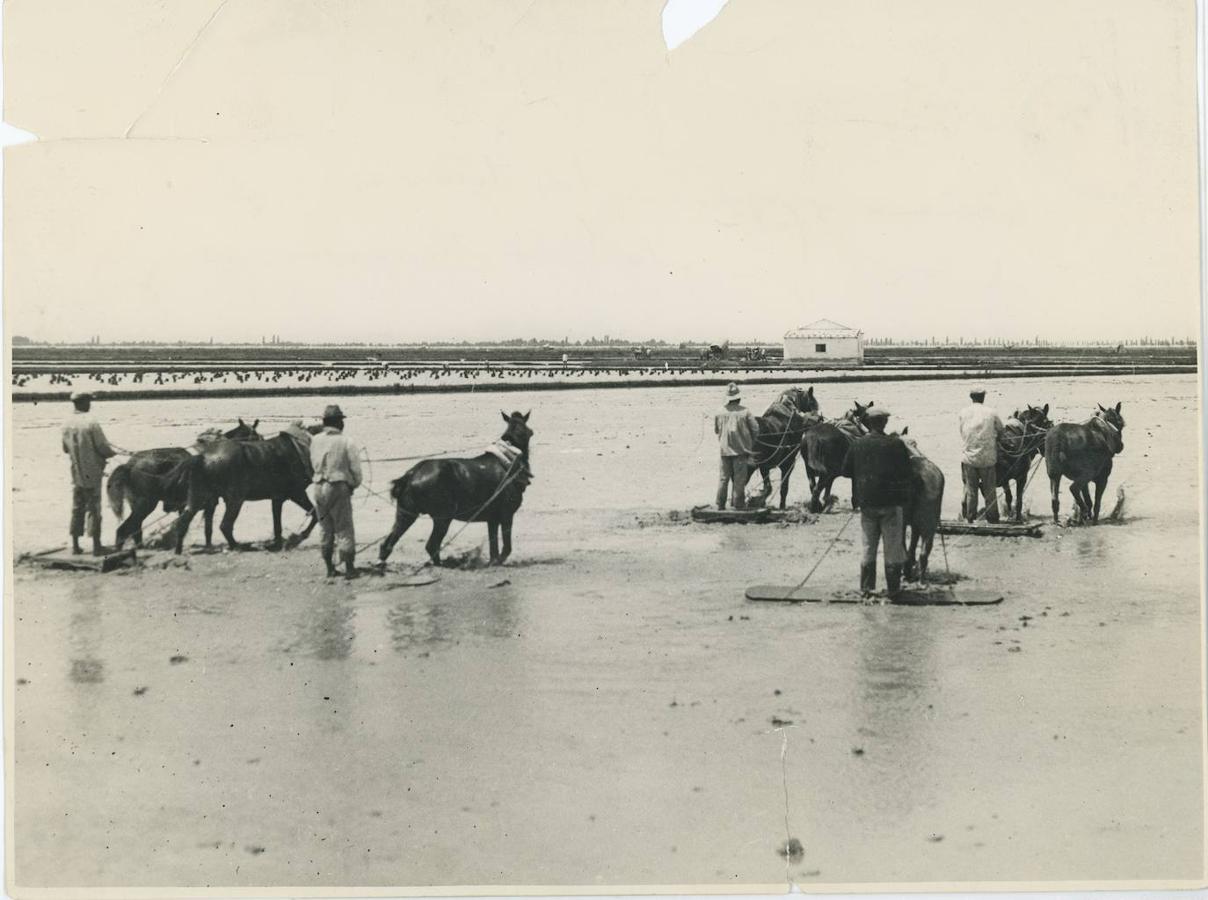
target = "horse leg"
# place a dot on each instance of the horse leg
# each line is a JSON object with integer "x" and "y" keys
{"x": 786, "y": 472}
{"x": 182, "y": 527}
{"x": 493, "y": 539}
{"x": 402, "y": 521}
{"x": 911, "y": 561}
{"x": 299, "y": 497}
{"x": 133, "y": 524}
{"x": 208, "y": 520}
{"x": 277, "y": 504}
{"x": 1084, "y": 500}
{"x": 440, "y": 527}
{"x": 230, "y": 513}
{"x": 1076, "y": 494}
{"x": 1055, "y": 489}
{"x": 1100, "y": 487}
{"x": 1006, "y": 491}
{"x": 925, "y": 556}
{"x": 766, "y": 491}
{"x": 506, "y": 522}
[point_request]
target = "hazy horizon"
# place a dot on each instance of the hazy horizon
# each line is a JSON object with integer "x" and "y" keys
{"x": 411, "y": 172}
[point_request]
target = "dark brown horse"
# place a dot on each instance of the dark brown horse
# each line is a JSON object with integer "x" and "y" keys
{"x": 275, "y": 469}
{"x": 129, "y": 483}
{"x": 824, "y": 447}
{"x": 481, "y": 489}
{"x": 1083, "y": 453}
{"x": 781, "y": 429}
{"x": 922, "y": 513}
{"x": 1022, "y": 438}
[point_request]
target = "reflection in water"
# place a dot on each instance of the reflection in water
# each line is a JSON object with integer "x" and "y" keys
{"x": 423, "y": 623}
{"x": 328, "y": 629}
{"x": 84, "y": 634}
{"x": 896, "y": 677}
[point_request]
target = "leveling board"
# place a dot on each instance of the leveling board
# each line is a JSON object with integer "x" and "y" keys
{"x": 787, "y": 593}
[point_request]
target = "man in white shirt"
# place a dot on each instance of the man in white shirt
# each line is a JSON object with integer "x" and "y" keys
{"x": 85, "y": 443}
{"x": 337, "y": 474}
{"x": 980, "y": 430}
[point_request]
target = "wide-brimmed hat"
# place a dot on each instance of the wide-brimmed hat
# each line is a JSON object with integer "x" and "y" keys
{"x": 80, "y": 395}
{"x": 977, "y": 391}
{"x": 876, "y": 412}
{"x": 333, "y": 412}
{"x": 733, "y": 392}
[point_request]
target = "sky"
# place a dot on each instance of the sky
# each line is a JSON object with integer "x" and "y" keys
{"x": 344, "y": 170}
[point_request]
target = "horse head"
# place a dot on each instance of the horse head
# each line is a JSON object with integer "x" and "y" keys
{"x": 243, "y": 431}
{"x": 518, "y": 432}
{"x": 856, "y": 415}
{"x": 1111, "y": 415}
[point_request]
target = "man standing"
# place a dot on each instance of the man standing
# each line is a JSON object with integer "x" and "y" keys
{"x": 980, "y": 431}
{"x": 736, "y": 429}
{"x": 86, "y": 444}
{"x": 879, "y": 468}
{"x": 337, "y": 473}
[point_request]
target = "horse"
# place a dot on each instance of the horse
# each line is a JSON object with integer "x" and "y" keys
{"x": 1022, "y": 438}
{"x": 238, "y": 471}
{"x": 781, "y": 428}
{"x": 128, "y": 483}
{"x": 824, "y": 447}
{"x": 479, "y": 489}
{"x": 922, "y": 514}
{"x": 1084, "y": 453}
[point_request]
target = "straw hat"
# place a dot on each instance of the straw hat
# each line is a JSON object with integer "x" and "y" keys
{"x": 80, "y": 395}
{"x": 333, "y": 412}
{"x": 733, "y": 392}
{"x": 876, "y": 412}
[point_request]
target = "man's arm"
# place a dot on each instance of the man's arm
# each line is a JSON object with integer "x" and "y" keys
{"x": 354, "y": 466}
{"x": 101, "y": 443}
{"x": 717, "y": 424}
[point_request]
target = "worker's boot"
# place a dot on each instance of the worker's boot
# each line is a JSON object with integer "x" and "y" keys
{"x": 97, "y": 548}
{"x": 868, "y": 578}
{"x": 893, "y": 581}
{"x": 350, "y": 569}
{"x": 76, "y": 549}
{"x": 327, "y": 559}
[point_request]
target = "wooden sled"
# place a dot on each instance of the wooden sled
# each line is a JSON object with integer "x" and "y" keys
{"x": 993, "y": 529}
{"x": 63, "y": 558}
{"x": 925, "y": 596}
{"x": 710, "y": 514}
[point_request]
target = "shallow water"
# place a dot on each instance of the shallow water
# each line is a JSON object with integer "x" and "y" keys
{"x": 606, "y": 716}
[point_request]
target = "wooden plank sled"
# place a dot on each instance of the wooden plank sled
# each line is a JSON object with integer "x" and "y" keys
{"x": 65, "y": 559}
{"x": 710, "y": 514}
{"x": 925, "y": 596}
{"x": 993, "y": 529}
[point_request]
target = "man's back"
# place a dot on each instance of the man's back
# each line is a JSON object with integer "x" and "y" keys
{"x": 86, "y": 445}
{"x": 980, "y": 428}
{"x": 334, "y": 458}
{"x": 879, "y": 466}
{"x": 736, "y": 429}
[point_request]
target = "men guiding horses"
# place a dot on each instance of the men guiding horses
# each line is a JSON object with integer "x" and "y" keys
{"x": 878, "y": 465}
{"x": 337, "y": 475}
{"x": 85, "y": 443}
{"x": 736, "y": 429}
{"x": 980, "y": 431}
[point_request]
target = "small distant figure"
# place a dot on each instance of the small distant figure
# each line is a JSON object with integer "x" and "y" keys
{"x": 736, "y": 429}
{"x": 85, "y": 442}
{"x": 337, "y": 473}
{"x": 980, "y": 430}
{"x": 878, "y": 465}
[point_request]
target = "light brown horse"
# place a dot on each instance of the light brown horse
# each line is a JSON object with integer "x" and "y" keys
{"x": 922, "y": 513}
{"x": 1083, "y": 453}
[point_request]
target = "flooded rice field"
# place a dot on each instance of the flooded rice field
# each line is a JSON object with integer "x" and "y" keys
{"x": 607, "y": 709}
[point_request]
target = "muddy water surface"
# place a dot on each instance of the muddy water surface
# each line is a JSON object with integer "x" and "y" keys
{"x": 608, "y": 709}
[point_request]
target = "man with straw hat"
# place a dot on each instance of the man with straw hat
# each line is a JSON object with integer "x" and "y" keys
{"x": 337, "y": 473}
{"x": 878, "y": 465}
{"x": 736, "y": 429}
{"x": 85, "y": 443}
{"x": 981, "y": 429}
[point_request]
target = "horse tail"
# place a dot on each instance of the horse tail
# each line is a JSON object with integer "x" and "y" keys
{"x": 119, "y": 481}
{"x": 399, "y": 486}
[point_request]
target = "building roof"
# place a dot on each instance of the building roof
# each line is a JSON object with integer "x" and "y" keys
{"x": 823, "y": 328}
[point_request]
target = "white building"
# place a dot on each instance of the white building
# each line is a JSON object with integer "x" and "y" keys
{"x": 824, "y": 343}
